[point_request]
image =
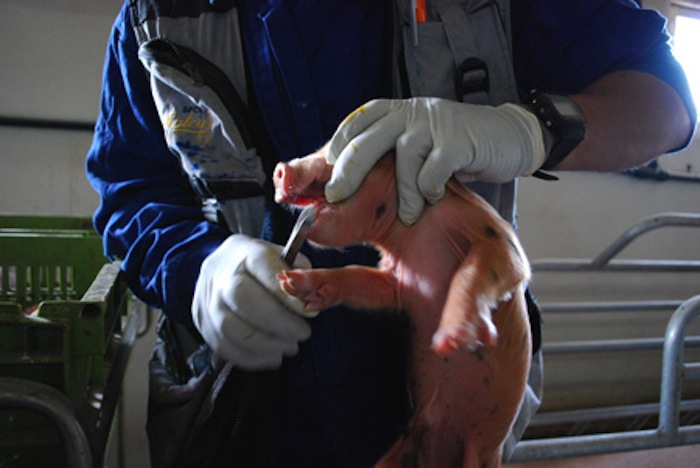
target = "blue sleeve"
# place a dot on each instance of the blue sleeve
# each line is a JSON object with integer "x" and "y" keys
{"x": 562, "y": 47}
{"x": 149, "y": 216}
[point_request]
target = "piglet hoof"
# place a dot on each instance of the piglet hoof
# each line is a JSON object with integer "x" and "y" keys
{"x": 448, "y": 339}
{"x": 309, "y": 287}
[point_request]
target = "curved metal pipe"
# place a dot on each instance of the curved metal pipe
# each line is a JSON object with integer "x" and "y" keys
{"x": 673, "y": 368}
{"x": 26, "y": 394}
{"x": 667, "y": 434}
{"x": 655, "y": 222}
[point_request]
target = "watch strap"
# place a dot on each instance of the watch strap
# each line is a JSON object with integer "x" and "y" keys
{"x": 564, "y": 119}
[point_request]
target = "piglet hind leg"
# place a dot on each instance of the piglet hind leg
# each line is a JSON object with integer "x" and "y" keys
{"x": 476, "y": 290}
{"x": 465, "y": 413}
{"x": 355, "y": 286}
{"x": 493, "y": 270}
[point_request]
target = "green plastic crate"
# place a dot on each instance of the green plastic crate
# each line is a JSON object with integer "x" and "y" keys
{"x": 55, "y": 267}
{"x": 63, "y": 310}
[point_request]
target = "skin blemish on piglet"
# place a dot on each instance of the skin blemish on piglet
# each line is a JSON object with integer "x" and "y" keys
{"x": 379, "y": 212}
{"x": 491, "y": 232}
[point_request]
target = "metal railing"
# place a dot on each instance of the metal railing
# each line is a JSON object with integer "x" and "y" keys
{"x": 669, "y": 431}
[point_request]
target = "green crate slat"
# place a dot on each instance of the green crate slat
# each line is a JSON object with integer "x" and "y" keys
{"x": 74, "y": 223}
{"x": 49, "y": 266}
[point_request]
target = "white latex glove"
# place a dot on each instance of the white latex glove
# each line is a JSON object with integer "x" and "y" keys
{"x": 239, "y": 308}
{"x": 434, "y": 139}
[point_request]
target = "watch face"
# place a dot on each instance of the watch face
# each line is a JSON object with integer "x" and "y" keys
{"x": 566, "y": 107}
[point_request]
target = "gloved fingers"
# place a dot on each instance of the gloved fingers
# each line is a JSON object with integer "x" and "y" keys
{"x": 531, "y": 135}
{"x": 248, "y": 336}
{"x": 222, "y": 332}
{"x": 354, "y": 124}
{"x": 356, "y": 159}
{"x": 437, "y": 170}
{"x": 250, "y": 348}
{"x": 263, "y": 263}
{"x": 411, "y": 150}
{"x": 359, "y": 157}
{"x": 241, "y": 319}
{"x": 252, "y": 304}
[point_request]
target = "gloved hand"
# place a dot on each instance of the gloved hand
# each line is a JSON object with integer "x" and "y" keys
{"x": 434, "y": 139}
{"x": 239, "y": 308}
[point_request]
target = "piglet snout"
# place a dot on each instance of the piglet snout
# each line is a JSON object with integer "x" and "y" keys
{"x": 301, "y": 181}
{"x": 282, "y": 178}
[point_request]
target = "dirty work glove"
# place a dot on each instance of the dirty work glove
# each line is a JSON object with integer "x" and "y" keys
{"x": 239, "y": 308}
{"x": 434, "y": 139}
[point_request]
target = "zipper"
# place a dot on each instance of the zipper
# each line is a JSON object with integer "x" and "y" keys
{"x": 167, "y": 52}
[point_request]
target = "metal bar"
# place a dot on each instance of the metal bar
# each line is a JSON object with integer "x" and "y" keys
{"x": 598, "y": 444}
{"x": 667, "y": 434}
{"x": 603, "y": 262}
{"x": 609, "y": 306}
{"x": 650, "y": 224}
{"x": 692, "y": 370}
{"x": 617, "y": 266}
{"x": 672, "y": 370}
{"x": 553, "y": 418}
{"x": 600, "y": 346}
{"x": 27, "y": 394}
{"x": 113, "y": 386}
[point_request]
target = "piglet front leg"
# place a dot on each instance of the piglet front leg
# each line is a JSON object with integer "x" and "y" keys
{"x": 356, "y": 286}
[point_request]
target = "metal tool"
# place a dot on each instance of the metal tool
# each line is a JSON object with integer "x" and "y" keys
{"x": 299, "y": 233}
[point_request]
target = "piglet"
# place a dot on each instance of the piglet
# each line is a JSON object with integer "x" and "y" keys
{"x": 459, "y": 273}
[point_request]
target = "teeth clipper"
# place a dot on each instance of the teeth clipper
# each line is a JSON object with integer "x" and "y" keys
{"x": 299, "y": 233}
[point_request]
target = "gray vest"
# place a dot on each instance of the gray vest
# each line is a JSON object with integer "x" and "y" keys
{"x": 463, "y": 53}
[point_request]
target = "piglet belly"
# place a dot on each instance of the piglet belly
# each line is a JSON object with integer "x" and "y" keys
{"x": 464, "y": 404}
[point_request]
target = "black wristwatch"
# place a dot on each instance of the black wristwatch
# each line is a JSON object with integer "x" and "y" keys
{"x": 564, "y": 119}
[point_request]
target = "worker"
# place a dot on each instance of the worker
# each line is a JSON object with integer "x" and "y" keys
{"x": 200, "y": 100}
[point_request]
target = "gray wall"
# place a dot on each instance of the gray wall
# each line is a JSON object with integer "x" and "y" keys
{"x": 52, "y": 52}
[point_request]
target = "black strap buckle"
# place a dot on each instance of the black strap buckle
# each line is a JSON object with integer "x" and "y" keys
{"x": 472, "y": 76}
